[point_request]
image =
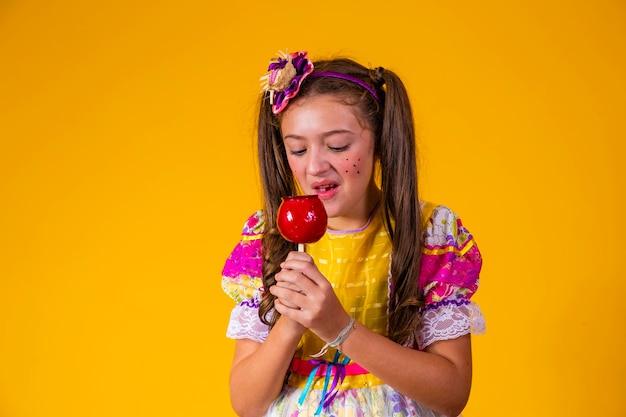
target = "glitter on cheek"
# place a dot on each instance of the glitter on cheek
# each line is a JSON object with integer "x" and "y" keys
{"x": 349, "y": 167}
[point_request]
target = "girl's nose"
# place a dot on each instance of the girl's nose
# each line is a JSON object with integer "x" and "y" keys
{"x": 317, "y": 163}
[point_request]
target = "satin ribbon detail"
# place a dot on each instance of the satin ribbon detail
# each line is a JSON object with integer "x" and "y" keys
{"x": 337, "y": 369}
{"x": 302, "y": 367}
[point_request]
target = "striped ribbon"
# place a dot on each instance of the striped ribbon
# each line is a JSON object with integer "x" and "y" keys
{"x": 336, "y": 369}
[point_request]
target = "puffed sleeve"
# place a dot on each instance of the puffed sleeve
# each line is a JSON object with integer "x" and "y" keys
{"x": 449, "y": 276}
{"x": 242, "y": 281}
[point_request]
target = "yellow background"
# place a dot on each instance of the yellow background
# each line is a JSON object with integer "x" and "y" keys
{"x": 127, "y": 171}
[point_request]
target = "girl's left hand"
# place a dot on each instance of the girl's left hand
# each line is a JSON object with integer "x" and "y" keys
{"x": 305, "y": 295}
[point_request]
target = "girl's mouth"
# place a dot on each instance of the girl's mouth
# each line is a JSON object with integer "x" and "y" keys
{"x": 325, "y": 188}
{"x": 326, "y": 191}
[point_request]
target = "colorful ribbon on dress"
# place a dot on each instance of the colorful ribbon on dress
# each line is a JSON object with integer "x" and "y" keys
{"x": 337, "y": 369}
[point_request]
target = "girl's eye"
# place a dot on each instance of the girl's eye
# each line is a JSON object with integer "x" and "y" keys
{"x": 298, "y": 152}
{"x": 338, "y": 148}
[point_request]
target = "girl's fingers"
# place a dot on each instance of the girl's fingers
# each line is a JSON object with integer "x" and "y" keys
{"x": 305, "y": 267}
{"x": 286, "y": 304}
{"x": 289, "y": 285}
{"x": 298, "y": 280}
{"x": 289, "y": 297}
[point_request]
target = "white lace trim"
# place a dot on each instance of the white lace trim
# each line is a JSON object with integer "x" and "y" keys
{"x": 245, "y": 324}
{"x": 449, "y": 322}
{"x": 443, "y": 323}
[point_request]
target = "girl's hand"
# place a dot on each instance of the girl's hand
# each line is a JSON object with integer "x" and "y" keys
{"x": 305, "y": 295}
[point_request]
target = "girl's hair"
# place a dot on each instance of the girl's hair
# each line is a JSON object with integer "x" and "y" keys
{"x": 391, "y": 120}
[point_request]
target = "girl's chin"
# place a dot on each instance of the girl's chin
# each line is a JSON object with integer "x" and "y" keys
{"x": 332, "y": 212}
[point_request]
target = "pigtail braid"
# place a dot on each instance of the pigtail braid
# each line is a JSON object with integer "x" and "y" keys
{"x": 401, "y": 203}
{"x": 277, "y": 181}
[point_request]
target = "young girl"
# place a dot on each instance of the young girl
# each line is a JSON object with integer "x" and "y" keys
{"x": 375, "y": 318}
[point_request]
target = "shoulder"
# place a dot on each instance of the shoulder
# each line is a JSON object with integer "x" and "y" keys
{"x": 254, "y": 226}
{"x": 444, "y": 230}
{"x": 242, "y": 271}
{"x": 451, "y": 261}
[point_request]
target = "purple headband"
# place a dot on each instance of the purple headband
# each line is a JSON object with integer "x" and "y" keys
{"x": 286, "y": 73}
{"x": 347, "y": 78}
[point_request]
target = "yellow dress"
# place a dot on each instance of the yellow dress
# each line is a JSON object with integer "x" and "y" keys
{"x": 357, "y": 264}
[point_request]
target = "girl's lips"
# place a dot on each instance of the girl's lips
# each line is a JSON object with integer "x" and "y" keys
{"x": 325, "y": 187}
{"x": 325, "y": 191}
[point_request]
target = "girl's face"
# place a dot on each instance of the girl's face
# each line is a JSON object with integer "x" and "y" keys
{"x": 331, "y": 153}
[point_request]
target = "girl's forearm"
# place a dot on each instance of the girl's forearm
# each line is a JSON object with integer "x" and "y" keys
{"x": 439, "y": 378}
{"x": 259, "y": 370}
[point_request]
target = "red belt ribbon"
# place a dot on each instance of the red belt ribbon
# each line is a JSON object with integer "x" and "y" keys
{"x": 302, "y": 367}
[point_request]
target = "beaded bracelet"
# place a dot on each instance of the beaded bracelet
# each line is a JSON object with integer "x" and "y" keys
{"x": 343, "y": 335}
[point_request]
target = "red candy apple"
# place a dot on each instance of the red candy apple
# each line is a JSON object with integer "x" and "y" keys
{"x": 302, "y": 219}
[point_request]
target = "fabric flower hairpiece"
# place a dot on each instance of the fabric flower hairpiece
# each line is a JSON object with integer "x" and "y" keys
{"x": 285, "y": 74}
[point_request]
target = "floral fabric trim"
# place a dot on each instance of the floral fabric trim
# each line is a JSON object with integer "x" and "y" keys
{"x": 242, "y": 272}
{"x": 379, "y": 400}
{"x": 451, "y": 261}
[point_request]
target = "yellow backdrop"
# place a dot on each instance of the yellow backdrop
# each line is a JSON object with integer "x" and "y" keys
{"x": 127, "y": 171}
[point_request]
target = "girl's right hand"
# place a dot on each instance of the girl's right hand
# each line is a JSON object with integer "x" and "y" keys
{"x": 305, "y": 295}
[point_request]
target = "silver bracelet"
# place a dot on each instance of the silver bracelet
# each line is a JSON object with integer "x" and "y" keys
{"x": 343, "y": 335}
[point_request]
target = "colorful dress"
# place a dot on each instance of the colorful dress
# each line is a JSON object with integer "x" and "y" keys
{"x": 357, "y": 263}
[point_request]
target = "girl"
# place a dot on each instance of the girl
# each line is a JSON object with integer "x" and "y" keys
{"x": 375, "y": 318}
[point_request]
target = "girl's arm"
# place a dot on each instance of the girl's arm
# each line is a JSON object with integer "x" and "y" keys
{"x": 258, "y": 369}
{"x": 438, "y": 377}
